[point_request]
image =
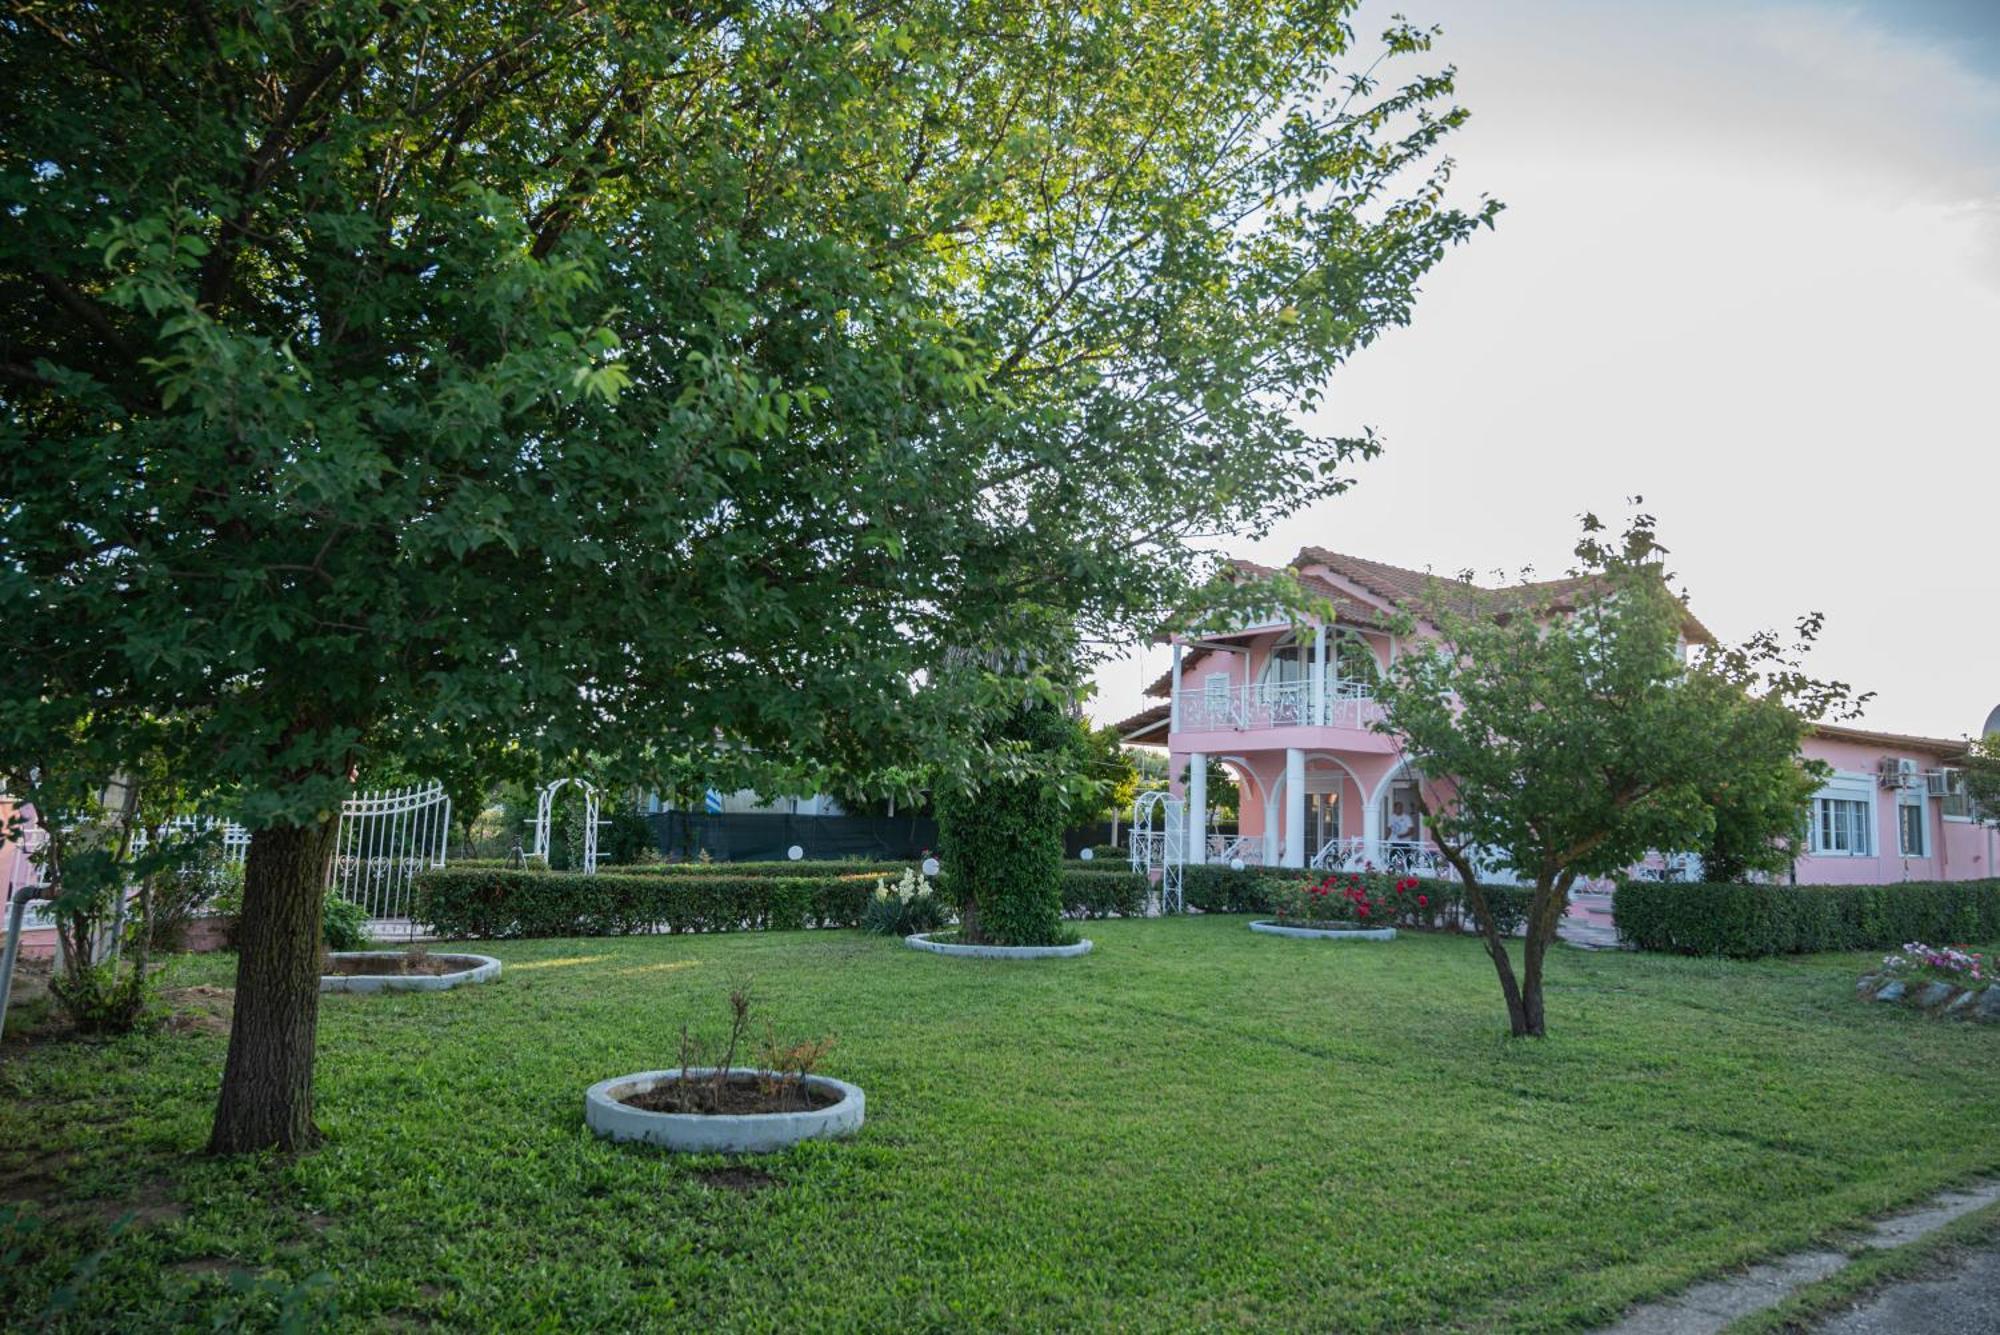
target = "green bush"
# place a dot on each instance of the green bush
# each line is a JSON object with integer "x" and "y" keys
{"x": 625, "y": 838}
{"x": 457, "y": 901}
{"x": 1002, "y": 846}
{"x": 1217, "y": 889}
{"x": 1110, "y": 892}
{"x": 1752, "y": 921}
{"x": 343, "y": 924}
{"x": 805, "y": 867}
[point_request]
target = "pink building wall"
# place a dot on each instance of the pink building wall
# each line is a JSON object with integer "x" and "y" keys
{"x": 1956, "y": 850}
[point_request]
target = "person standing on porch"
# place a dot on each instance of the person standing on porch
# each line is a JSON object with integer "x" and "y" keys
{"x": 1401, "y": 829}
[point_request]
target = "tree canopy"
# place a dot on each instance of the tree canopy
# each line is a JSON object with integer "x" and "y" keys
{"x": 1567, "y": 731}
{"x": 403, "y": 378}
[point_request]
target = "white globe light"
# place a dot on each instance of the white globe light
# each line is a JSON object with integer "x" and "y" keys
{"x": 930, "y": 866}
{"x": 795, "y": 852}
{"x": 1087, "y": 854}
{"x": 1236, "y": 864}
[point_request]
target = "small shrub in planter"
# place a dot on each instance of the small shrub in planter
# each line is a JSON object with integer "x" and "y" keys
{"x": 908, "y": 906}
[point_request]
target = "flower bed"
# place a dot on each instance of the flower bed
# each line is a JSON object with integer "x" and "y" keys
{"x": 1947, "y": 981}
{"x": 1348, "y": 901}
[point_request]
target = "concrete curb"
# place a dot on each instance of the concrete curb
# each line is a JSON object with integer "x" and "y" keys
{"x": 479, "y": 969}
{"x": 701, "y": 1133}
{"x": 922, "y": 941}
{"x": 1327, "y": 933}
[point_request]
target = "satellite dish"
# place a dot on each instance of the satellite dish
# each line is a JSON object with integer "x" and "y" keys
{"x": 1992, "y": 723}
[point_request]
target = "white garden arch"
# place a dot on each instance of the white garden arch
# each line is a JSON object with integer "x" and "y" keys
{"x": 1159, "y": 843}
{"x": 544, "y": 808}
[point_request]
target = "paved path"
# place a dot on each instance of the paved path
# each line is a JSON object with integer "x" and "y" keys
{"x": 1707, "y": 1308}
{"x": 1963, "y": 1301}
{"x": 1588, "y": 923}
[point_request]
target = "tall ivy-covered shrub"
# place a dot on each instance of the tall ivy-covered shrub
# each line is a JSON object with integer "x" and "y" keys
{"x": 1002, "y": 844}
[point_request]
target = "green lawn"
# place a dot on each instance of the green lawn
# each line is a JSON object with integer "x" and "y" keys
{"x": 1195, "y": 1126}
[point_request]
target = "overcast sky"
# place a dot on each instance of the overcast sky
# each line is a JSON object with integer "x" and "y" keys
{"x": 1749, "y": 269}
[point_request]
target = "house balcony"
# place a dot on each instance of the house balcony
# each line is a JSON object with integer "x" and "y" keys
{"x": 1283, "y": 704}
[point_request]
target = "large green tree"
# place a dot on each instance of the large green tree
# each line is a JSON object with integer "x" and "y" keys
{"x": 553, "y": 374}
{"x": 1565, "y": 733}
{"x": 1981, "y": 777}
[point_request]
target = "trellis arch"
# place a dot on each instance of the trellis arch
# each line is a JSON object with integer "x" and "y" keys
{"x": 1164, "y": 849}
{"x": 545, "y": 807}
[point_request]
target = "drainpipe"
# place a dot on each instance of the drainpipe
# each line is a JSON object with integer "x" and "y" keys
{"x": 16, "y": 911}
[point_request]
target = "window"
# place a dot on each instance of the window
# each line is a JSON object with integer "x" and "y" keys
{"x": 1840, "y": 827}
{"x": 1957, "y": 802}
{"x": 1910, "y": 828}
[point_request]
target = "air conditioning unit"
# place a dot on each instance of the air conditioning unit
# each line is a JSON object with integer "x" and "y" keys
{"x": 1894, "y": 773}
{"x": 1943, "y": 783}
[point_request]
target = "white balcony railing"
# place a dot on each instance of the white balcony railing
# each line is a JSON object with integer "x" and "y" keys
{"x": 1402, "y": 857}
{"x": 1278, "y": 704}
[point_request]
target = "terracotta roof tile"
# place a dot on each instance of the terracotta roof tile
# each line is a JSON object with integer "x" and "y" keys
{"x": 1838, "y": 732}
{"x": 1152, "y": 719}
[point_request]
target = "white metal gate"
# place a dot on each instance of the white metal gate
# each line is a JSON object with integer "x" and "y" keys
{"x": 384, "y": 840}
{"x": 545, "y": 808}
{"x": 1164, "y": 849}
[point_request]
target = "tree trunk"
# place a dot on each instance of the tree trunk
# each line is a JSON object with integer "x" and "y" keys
{"x": 266, "y": 1100}
{"x": 1544, "y": 918}
{"x": 1518, "y": 1011}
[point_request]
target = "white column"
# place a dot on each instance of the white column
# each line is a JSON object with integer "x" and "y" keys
{"x": 1371, "y": 834}
{"x": 1174, "y": 693}
{"x": 1317, "y": 692}
{"x": 1197, "y": 809}
{"x": 1295, "y": 807}
{"x": 1271, "y": 828}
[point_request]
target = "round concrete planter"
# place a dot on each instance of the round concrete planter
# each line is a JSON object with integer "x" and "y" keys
{"x": 476, "y": 969}
{"x": 922, "y": 941}
{"x": 704, "y": 1133}
{"x": 1327, "y": 933}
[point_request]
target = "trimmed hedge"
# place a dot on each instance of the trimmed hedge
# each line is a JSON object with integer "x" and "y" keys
{"x": 805, "y": 867}
{"x": 1217, "y": 889}
{"x": 459, "y": 901}
{"x": 1753, "y": 921}
{"x": 500, "y": 903}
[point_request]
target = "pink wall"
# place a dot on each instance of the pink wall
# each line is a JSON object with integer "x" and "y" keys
{"x": 1956, "y": 850}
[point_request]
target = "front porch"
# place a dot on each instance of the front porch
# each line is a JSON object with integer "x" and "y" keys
{"x": 1299, "y": 806}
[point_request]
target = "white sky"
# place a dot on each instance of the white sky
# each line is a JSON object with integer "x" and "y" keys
{"x": 1749, "y": 269}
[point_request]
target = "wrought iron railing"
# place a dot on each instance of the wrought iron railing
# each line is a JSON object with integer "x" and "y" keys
{"x": 1278, "y": 704}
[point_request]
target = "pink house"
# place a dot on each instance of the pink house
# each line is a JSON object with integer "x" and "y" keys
{"x": 1287, "y": 713}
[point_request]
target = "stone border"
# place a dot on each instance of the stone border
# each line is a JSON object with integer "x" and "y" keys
{"x": 1327, "y": 933}
{"x": 482, "y": 969}
{"x": 703, "y": 1133}
{"x": 1934, "y": 996}
{"x": 922, "y": 941}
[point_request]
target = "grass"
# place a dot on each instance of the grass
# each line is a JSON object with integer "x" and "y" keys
{"x": 1194, "y": 1126}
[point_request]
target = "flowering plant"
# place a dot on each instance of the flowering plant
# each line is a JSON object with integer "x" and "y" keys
{"x": 1367, "y": 899}
{"x": 1344, "y": 899}
{"x": 1953, "y": 964}
{"x": 910, "y": 905}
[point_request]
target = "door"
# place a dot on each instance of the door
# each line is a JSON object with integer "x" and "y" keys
{"x": 1322, "y": 820}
